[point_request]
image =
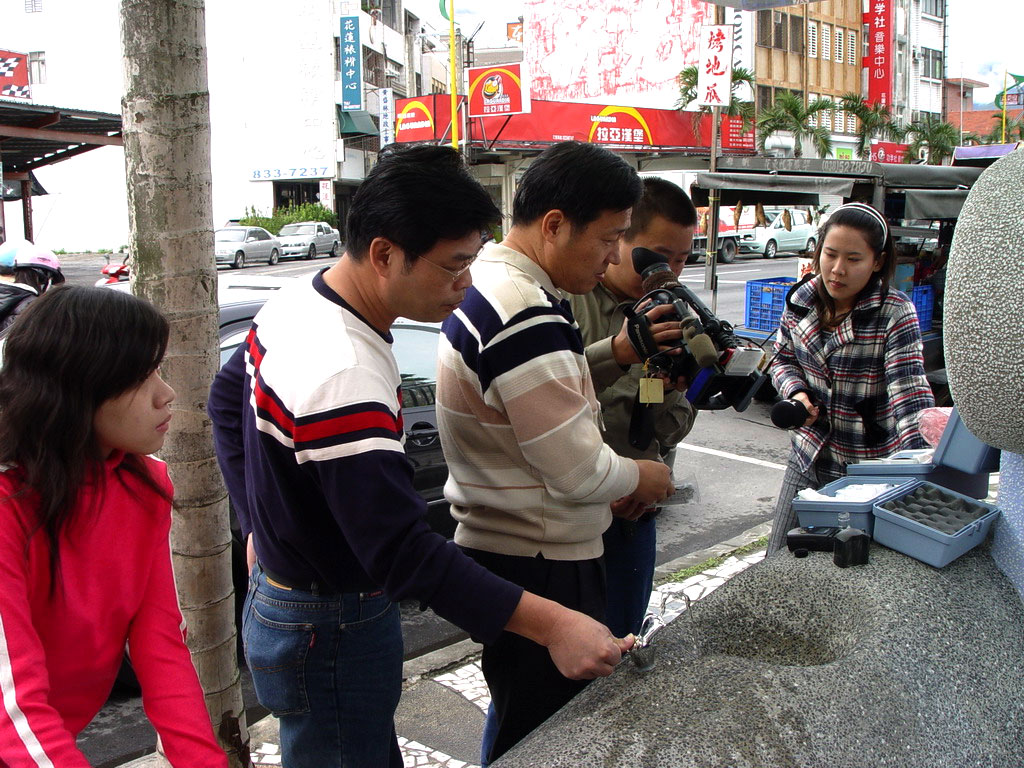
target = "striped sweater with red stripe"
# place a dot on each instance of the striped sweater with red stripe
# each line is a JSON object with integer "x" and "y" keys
{"x": 868, "y": 373}
{"x": 61, "y": 649}
{"x": 308, "y": 431}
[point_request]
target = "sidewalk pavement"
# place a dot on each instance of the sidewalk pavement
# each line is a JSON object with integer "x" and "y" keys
{"x": 444, "y": 696}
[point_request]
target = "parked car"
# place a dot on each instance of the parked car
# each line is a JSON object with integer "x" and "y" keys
{"x": 769, "y": 241}
{"x": 309, "y": 239}
{"x": 238, "y": 246}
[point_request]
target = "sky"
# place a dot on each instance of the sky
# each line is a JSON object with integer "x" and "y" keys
{"x": 984, "y": 35}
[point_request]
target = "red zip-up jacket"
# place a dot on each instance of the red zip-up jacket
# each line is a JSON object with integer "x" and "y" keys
{"x": 60, "y": 651}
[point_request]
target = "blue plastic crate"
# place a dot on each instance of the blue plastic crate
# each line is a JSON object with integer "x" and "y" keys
{"x": 961, "y": 450}
{"x": 923, "y": 297}
{"x": 766, "y": 301}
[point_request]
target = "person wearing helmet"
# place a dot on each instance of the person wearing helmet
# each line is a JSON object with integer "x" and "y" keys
{"x": 34, "y": 273}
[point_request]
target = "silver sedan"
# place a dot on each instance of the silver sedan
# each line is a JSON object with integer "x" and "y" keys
{"x": 238, "y": 246}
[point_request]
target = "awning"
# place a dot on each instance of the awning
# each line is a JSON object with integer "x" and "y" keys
{"x": 927, "y": 176}
{"x": 767, "y": 189}
{"x": 983, "y": 155}
{"x": 12, "y": 189}
{"x": 934, "y": 203}
{"x": 356, "y": 123}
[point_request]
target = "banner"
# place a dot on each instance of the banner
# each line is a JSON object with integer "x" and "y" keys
{"x": 888, "y": 152}
{"x": 387, "y": 116}
{"x": 878, "y": 21}
{"x": 351, "y": 64}
{"x": 501, "y": 89}
{"x": 640, "y": 129}
{"x": 714, "y": 69}
{"x": 14, "y": 76}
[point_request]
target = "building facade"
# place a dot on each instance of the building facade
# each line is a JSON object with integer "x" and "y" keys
{"x": 278, "y": 133}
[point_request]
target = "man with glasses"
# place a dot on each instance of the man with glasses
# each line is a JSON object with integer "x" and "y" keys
{"x": 530, "y": 479}
{"x": 308, "y": 429}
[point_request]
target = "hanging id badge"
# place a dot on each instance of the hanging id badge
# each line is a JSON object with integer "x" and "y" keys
{"x": 652, "y": 388}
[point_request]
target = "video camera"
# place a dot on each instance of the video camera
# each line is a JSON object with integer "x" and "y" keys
{"x": 722, "y": 371}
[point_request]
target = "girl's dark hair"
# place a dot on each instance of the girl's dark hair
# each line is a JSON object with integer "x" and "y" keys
{"x": 876, "y": 236}
{"x": 72, "y": 350}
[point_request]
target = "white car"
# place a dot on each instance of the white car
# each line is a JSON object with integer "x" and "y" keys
{"x": 237, "y": 246}
{"x": 309, "y": 239}
{"x": 801, "y": 237}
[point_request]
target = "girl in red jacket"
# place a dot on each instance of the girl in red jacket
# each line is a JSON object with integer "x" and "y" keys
{"x": 85, "y": 565}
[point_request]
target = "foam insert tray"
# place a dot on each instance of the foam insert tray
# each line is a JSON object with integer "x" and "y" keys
{"x": 932, "y": 524}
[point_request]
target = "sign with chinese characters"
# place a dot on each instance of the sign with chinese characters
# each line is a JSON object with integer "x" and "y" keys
{"x": 888, "y": 152}
{"x": 878, "y": 22}
{"x": 514, "y": 31}
{"x": 351, "y": 64}
{"x": 501, "y": 89}
{"x": 387, "y": 116}
{"x": 327, "y": 193}
{"x": 425, "y": 118}
{"x": 14, "y": 76}
{"x": 714, "y": 68}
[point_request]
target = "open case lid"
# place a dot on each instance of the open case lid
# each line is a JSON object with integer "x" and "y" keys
{"x": 961, "y": 450}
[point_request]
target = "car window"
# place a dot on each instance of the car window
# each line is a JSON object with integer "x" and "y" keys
{"x": 297, "y": 229}
{"x": 229, "y": 235}
{"x": 229, "y": 343}
{"x": 415, "y": 349}
{"x": 262, "y": 234}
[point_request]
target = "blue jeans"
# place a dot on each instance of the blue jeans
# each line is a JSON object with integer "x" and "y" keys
{"x": 329, "y": 667}
{"x": 630, "y": 550}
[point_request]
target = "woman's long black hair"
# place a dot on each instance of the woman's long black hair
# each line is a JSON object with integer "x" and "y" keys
{"x": 876, "y": 236}
{"x": 67, "y": 354}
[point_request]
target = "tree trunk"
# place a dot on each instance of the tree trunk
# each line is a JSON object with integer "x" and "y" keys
{"x": 167, "y": 156}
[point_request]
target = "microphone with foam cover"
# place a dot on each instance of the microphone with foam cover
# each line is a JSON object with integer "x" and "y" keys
{"x": 789, "y": 414}
{"x": 703, "y": 350}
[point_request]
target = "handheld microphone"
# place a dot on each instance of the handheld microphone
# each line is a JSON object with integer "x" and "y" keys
{"x": 790, "y": 414}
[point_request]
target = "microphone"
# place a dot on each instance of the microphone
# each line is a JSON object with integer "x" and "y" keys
{"x": 703, "y": 350}
{"x": 789, "y": 414}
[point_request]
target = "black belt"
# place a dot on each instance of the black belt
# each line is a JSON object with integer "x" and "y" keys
{"x": 307, "y": 586}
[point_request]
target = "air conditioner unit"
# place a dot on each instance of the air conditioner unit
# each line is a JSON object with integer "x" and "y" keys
{"x": 776, "y": 17}
{"x": 391, "y": 73}
{"x": 915, "y": 54}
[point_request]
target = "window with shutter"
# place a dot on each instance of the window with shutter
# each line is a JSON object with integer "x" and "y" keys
{"x": 826, "y": 42}
{"x": 839, "y": 46}
{"x": 812, "y": 39}
{"x": 851, "y": 46}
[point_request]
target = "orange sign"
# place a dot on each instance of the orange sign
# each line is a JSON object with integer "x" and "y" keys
{"x": 497, "y": 90}
{"x": 514, "y": 31}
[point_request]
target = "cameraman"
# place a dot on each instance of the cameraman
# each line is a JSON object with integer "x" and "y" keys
{"x": 663, "y": 221}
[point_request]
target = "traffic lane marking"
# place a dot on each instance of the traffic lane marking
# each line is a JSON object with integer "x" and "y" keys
{"x": 734, "y": 456}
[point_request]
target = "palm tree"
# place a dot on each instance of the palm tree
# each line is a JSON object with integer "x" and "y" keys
{"x": 788, "y": 113}
{"x": 1014, "y": 129}
{"x": 744, "y": 110}
{"x": 167, "y": 160}
{"x": 938, "y": 136}
{"x": 874, "y": 121}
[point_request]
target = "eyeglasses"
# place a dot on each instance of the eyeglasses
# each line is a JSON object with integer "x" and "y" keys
{"x": 454, "y": 274}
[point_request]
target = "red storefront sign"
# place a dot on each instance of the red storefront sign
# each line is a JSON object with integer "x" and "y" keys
{"x": 14, "y": 76}
{"x": 427, "y": 118}
{"x": 878, "y": 20}
{"x": 888, "y": 152}
{"x": 497, "y": 90}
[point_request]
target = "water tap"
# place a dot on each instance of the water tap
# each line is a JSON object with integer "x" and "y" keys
{"x": 642, "y": 653}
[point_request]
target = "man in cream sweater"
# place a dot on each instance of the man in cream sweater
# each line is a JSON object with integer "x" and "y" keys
{"x": 531, "y": 480}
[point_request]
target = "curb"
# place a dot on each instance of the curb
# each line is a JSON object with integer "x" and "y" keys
{"x": 724, "y": 548}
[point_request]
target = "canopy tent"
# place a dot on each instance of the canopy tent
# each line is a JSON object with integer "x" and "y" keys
{"x": 767, "y": 189}
{"x": 33, "y": 136}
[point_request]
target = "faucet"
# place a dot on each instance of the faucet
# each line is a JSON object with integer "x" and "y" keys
{"x": 642, "y": 653}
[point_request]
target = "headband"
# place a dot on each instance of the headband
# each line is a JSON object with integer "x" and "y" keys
{"x": 865, "y": 208}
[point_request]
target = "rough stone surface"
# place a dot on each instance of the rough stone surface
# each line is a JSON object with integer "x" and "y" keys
{"x": 982, "y": 312}
{"x": 804, "y": 664}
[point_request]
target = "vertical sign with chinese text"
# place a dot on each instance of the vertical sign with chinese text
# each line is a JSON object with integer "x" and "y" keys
{"x": 878, "y": 21}
{"x": 351, "y": 64}
{"x": 714, "y": 68}
{"x": 387, "y": 116}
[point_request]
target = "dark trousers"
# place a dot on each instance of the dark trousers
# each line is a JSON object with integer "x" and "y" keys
{"x": 526, "y": 686}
